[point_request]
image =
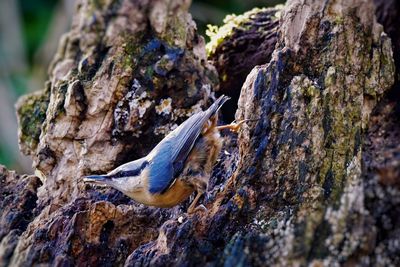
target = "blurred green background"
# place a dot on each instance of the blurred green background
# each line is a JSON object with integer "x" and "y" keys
{"x": 29, "y": 34}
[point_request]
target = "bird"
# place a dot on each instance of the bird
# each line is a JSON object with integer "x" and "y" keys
{"x": 180, "y": 164}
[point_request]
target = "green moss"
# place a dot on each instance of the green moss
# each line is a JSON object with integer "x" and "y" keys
{"x": 340, "y": 128}
{"x": 310, "y": 92}
{"x": 339, "y": 20}
{"x": 219, "y": 34}
{"x": 31, "y": 115}
{"x": 132, "y": 44}
{"x": 175, "y": 33}
{"x": 97, "y": 3}
{"x": 102, "y": 4}
{"x": 330, "y": 78}
{"x": 224, "y": 77}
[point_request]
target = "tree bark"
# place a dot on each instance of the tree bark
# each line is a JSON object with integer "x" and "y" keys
{"x": 243, "y": 42}
{"x": 296, "y": 187}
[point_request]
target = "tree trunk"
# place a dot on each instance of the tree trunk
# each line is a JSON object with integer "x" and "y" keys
{"x": 302, "y": 184}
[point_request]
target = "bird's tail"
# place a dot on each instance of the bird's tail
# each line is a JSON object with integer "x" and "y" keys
{"x": 218, "y": 104}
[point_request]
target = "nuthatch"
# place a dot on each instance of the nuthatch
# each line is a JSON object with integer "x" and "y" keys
{"x": 179, "y": 165}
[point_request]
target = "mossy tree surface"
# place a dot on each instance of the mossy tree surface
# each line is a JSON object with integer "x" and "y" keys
{"x": 126, "y": 74}
{"x": 291, "y": 193}
{"x": 244, "y": 41}
{"x": 331, "y": 66}
{"x": 110, "y": 72}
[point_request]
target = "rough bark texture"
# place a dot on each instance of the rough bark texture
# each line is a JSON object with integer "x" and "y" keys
{"x": 124, "y": 75}
{"x": 381, "y": 169}
{"x": 314, "y": 181}
{"x": 381, "y": 175}
{"x": 332, "y": 65}
{"x": 127, "y": 73}
{"x": 18, "y": 208}
{"x": 387, "y": 13}
{"x": 243, "y": 42}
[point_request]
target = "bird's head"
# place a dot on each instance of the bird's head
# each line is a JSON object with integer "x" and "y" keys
{"x": 125, "y": 178}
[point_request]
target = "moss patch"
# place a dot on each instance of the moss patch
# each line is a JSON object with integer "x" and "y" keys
{"x": 219, "y": 34}
{"x": 31, "y": 112}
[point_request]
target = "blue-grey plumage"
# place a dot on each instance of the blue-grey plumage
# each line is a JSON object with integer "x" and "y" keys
{"x": 180, "y": 164}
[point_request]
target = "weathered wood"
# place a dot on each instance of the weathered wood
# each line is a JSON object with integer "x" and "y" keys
{"x": 292, "y": 189}
{"x": 314, "y": 100}
{"x": 381, "y": 155}
{"x": 124, "y": 75}
{"x": 243, "y": 42}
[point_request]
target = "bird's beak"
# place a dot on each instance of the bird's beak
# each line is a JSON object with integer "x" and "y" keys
{"x": 95, "y": 179}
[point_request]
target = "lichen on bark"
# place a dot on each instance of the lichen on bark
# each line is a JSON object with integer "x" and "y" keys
{"x": 314, "y": 102}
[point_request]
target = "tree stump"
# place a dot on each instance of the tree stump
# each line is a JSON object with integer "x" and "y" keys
{"x": 296, "y": 187}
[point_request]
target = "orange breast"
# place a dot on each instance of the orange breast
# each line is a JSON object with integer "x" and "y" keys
{"x": 178, "y": 192}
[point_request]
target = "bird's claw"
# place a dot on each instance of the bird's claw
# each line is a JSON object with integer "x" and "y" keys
{"x": 235, "y": 125}
{"x": 206, "y": 197}
{"x": 200, "y": 207}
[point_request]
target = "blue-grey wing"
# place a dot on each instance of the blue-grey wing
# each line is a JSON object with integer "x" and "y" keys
{"x": 190, "y": 132}
{"x": 161, "y": 171}
{"x": 179, "y": 144}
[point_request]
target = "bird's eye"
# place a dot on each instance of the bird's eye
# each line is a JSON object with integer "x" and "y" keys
{"x": 130, "y": 173}
{"x": 192, "y": 172}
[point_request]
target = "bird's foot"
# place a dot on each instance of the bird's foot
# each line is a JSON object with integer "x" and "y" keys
{"x": 200, "y": 207}
{"x": 234, "y": 126}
